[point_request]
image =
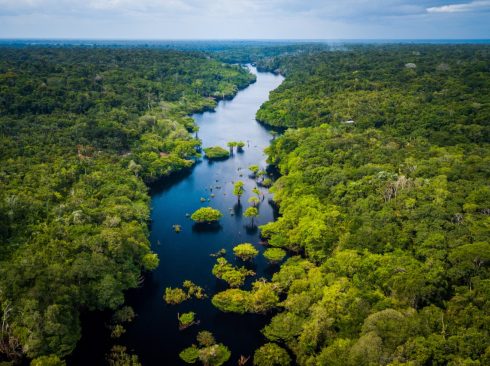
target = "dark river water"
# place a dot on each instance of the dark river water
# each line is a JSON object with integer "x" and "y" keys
{"x": 154, "y": 335}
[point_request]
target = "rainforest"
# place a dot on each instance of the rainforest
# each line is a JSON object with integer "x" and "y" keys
{"x": 250, "y": 203}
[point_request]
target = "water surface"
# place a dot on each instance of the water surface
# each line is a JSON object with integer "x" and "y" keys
{"x": 154, "y": 334}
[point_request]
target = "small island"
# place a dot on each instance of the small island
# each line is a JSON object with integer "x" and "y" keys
{"x": 216, "y": 153}
{"x": 206, "y": 215}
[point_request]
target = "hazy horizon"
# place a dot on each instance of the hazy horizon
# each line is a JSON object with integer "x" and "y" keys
{"x": 324, "y": 20}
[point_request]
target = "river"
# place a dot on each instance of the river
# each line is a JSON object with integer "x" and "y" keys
{"x": 154, "y": 334}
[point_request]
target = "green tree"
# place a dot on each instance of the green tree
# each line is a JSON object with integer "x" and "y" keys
{"x": 209, "y": 352}
{"x": 270, "y": 354}
{"x": 263, "y": 297}
{"x": 254, "y": 201}
{"x": 175, "y": 296}
{"x": 274, "y": 255}
{"x": 118, "y": 356}
{"x": 251, "y": 212}
{"x": 254, "y": 170}
{"x": 206, "y": 215}
{"x": 186, "y": 319}
{"x": 234, "y": 276}
{"x": 231, "y": 145}
{"x": 232, "y": 300}
{"x": 216, "y": 153}
{"x": 240, "y": 145}
{"x": 245, "y": 251}
{"x": 51, "y": 360}
{"x": 190, "y": 354}
{"x": 238, "y": 189}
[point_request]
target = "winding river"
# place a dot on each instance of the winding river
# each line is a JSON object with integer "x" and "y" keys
{"x": 154, "y": 335}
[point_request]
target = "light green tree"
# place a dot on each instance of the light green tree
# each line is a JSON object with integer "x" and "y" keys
{"x": 251, "y": 212}
{"x": 238, "y": 189}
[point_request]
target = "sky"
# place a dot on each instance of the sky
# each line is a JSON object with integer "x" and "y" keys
{"x": 245, "y": 19}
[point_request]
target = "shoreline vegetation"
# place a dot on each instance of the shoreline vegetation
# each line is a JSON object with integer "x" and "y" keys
{"x": 383, "y": 197}
{"x": 82, "y": 130}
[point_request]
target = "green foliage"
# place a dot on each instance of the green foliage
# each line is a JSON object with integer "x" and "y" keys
{"x": 234, "y": 276}
{"x": 253, "y": 169}
{"x": 232, "y": 301}
{"x": 270, "y": 354}
{"x": 150, "y": 261}
{"x": 194, "y": 290}
{"x": 124, "y": 315}
{"x": 81, "y": 130}
{"x": 117, "y": 331}
{"x": 443, "y": 99}
{"x": 238, "y": 189}
{"x": 390, "y": 212}
{"x": 216, "y": 153}
{"x": 245, "y": 251}
{"x": 119, "y": 357}
{"x": 175, "y": 296}
{"x": 209, "y": 352}
{"x": 215, "y": 355}
{"x": 274, "y": 255}
{"x": 51, "y": 360}
{"x": 261, "y": 299}
{"x": 187, "y": 319}
{"x": 190, "y": 354}
{"x": 231, "y": 145}
{"x": 206, "y": 215}
{"x": 205, "y": 338}
{"x": 251, "y": 212}
{"x": 254, "y": 201}
{"x": 266, "y": 182}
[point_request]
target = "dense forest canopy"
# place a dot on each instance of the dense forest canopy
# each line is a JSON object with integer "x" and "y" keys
{"x": 81, "y": 130}
{"x": 384, "y": 196}
{"x": 384, "y": 193}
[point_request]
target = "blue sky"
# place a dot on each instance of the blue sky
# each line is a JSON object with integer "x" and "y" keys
{"x": 245, "y": 19}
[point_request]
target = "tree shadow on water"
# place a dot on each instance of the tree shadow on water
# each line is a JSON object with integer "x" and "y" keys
{"x": 238, "y": 210}
{"x": 251, "y": 229}
{"x": 207, "y": 227}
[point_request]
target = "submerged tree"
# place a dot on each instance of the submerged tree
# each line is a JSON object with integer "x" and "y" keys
{"x": 240, "y": 145}
{"x": 206, "y": 215}
{"x": 207, "y": 351}
{"x": 231, "y": 145}
{"x": 118, "y": 356}
{"x": 194, "y": 290}
{"x": 174, "y": 296}
{"x": 251, "y": 212}
{"x": 216, "y": 153}
{"x": 254, "y": 201}
{"x": 186, "y": 320}
{"x": 270, "y": 354}
{"x": 254, "y": 169}
{"x": 238, "y": 189}
{"x": 245, "y": 251}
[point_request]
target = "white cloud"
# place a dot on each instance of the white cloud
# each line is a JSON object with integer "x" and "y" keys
{"x": 243, "y": 18}
{"x": 461, "y": 8}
